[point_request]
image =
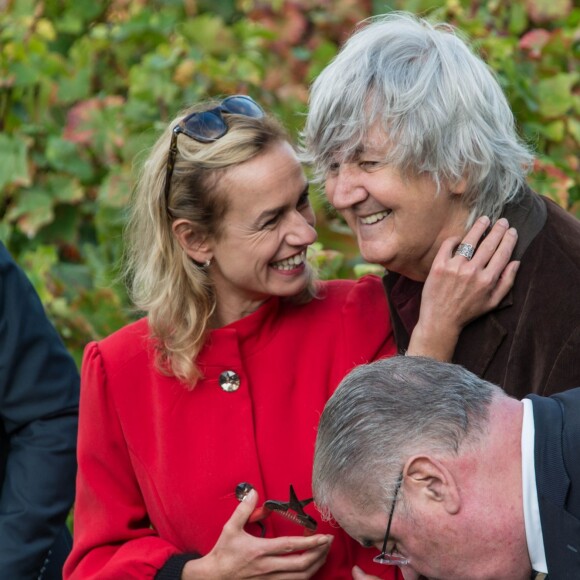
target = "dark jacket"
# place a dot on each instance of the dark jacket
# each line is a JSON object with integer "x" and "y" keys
{"x": 531, "y": 342}
{"x": 557, "y": 462}
{"x": 39, "y": 388}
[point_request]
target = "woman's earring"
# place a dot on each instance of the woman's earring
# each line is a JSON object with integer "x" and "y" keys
{"x": 207, "y": 263}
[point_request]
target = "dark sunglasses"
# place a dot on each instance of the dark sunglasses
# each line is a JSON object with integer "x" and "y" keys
{"x": 208, "y": 126}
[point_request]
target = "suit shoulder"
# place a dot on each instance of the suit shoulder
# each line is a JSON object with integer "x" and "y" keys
{"x": 553, "y": 257}
{"x": 570, "y": 399}
{"x": 562, "y": 233}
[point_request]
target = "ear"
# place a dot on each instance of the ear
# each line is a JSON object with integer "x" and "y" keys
{"x": 459, "y": 187}
{"x": 430, "y": 480}
{"x": 194, "y": 244}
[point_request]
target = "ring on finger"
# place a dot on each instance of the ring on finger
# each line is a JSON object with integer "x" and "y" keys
{"x": 465, "y": 250}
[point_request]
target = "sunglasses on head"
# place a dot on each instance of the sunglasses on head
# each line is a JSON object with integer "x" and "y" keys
{"x": 208, "y": 126}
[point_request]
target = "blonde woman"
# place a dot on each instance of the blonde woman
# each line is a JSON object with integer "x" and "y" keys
{"x": 224, "y": 379}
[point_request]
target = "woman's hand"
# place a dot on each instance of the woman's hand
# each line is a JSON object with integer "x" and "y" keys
{"x": 239, "y": 555}
{"x": 459, "y": 289}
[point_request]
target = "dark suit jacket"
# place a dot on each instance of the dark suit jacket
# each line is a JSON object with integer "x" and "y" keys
{"x": 531, "y": 342}
{"x": 557, "y": 461}
{"x": 39, "y": 388}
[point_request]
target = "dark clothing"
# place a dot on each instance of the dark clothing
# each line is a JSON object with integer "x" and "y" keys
{"x": 56, "y": 556}
{"x": 531, "y": 342}
{"x": 556, "y": 456}
{"x": 39, "y": 389}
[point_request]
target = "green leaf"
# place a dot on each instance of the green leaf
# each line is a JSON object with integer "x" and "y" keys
{"x": 154, "y": 66}
{"x": 64, "y": 156}
{"x": 24, "y": 74}
{"x": 101, "y": 310}
{"x": 13, "y": 165}
{"x": 33, "y": 210}
{"x": 555, "y": 94}
{"x": 546, "y": 10}
{"x": 554, "y": 131}
{"x": 327, "y": 263}
{"x": 63, "y": 229}
{"x": 574, "y": 129}
{"x": 24, "y": 7}
{"x": 361, "y": 270}
{"x": 115, "y": 190}
{"x": 37, "y": 265}
{"x": 321, "y": 56}
{"x": 75, "y": 87}
{"x": 64, "y": 189}
{"x": 209, "y": 32}
{"x": 518, "y": 18}
{"x": 5, "y": 232}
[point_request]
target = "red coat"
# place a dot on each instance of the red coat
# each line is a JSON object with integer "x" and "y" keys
{"x": 158, "y": 464}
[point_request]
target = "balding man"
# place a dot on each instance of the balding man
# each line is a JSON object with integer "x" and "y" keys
{"x": 450, "y": 477}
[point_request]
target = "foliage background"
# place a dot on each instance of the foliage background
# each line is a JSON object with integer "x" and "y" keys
{"x": 86, "y": 86}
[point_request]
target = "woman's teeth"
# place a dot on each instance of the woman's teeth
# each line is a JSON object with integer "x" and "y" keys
{"x": 291, "y": 262}
{"x": 375, "y": 217}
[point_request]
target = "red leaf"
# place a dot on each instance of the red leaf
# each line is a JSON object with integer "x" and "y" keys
{"x": 78, "y": 127}
{"x": 534, "y": 41}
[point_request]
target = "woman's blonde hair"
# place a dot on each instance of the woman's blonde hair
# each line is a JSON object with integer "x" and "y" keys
{"x": 176, "y": 292}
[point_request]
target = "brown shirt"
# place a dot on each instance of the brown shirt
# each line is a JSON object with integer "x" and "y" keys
{"x": 531, "y": 342}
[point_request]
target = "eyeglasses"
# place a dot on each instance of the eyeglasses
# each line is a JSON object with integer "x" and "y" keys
{"x": 388, "y": 558}
{"x": 209, "y": 126}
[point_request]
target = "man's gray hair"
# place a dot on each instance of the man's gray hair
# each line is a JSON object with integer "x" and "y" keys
{"x": 440, "y": 106}
{"x": 387, "y": 411}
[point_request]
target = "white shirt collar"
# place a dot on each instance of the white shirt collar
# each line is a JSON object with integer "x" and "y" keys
{"x": 532, "y": 521}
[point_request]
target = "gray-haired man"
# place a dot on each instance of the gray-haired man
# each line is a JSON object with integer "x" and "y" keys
{"x": 448, "y": 476}
{"x": 414, "y": 139}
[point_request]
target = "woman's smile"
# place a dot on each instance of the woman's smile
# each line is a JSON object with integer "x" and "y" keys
{"x": 291, "y": 264}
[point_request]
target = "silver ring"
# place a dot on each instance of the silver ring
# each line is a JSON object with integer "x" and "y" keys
{"x": 465, "y": 250}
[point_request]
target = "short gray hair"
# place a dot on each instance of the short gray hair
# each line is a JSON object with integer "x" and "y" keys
{"x": 383, "y": 413}
{"x": 442, "y": 110}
